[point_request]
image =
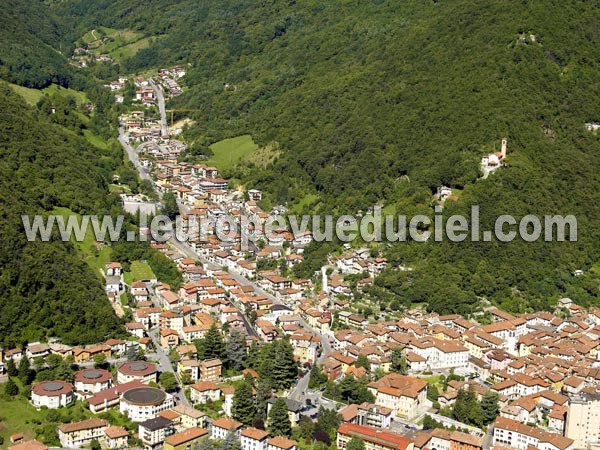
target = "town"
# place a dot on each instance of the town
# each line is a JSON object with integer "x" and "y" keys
{"x": 245, "y": 356}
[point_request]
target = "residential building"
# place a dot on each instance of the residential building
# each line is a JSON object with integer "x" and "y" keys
{"x": 221, "y": 427}
{"x": 184, "y": 440}
{"x": 116, "y": 437}
{"x": 253, "y": 439}
{"x": 78, "y": 434}
{"x": 152, "y": 432}
{"x": 52, "y": 394}
{"x": 583, "y": 419}
{"x": 519, "y": 436}
{"x": 374, "y": 439}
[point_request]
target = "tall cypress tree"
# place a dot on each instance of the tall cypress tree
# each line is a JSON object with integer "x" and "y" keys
{"x": 244, "y": 406}
{"x": 214, "y": 346}
{"x": 285, "y": 370}
{"x": 279, "y": 420}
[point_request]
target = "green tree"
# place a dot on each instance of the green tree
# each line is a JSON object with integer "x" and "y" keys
{"x": 26, "y": 375}
{"x": 363, "y": 361}
{"x": 355, "y": 444}
{"x": 328, "y": 420}
{"x": 11, "y": 388}
{"x": 11, "y": 368}
{"x": 398, "y": 361}
{"x": 168, "y": 381}
{"x": 306, "y": 428}
{"x": 231, "y": 441}
{"x": 236, "y": 349}
{"x": 244, "y": 406}
{"x": 213, "y": 345}
{"x": 174, "y": 355}
{"x": 285, "y": 370}
{"x": 95, "y": 445}
{"x": 491, "y": 409}
{"x": 170, "y": 207}
{"x": 100, "y": 361}
{"x": 264, "y": 391}
{"x": 279, "y": 421}
{"x": 317, "y": 377}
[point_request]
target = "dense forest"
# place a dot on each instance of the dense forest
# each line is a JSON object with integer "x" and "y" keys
{"x": 381, "y": 102}
{"x": 45, "y": 288}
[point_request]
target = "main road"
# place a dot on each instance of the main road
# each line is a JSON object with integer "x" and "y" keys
{"x": 161, "y": 106}
{"x": 299, "y": 390}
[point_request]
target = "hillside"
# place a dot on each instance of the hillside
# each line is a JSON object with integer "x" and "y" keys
{"x": 45, "y": 288}
{"x": 384, "y": 101}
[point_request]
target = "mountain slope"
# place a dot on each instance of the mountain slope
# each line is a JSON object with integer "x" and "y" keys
{"x": 357, "y": 95}
{"x": 45, "y": 288}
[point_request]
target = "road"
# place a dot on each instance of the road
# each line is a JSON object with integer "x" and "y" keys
{"x": 133, "y": 156}
{"x": 299, "y": 392}
{"x": 161, "y": 107}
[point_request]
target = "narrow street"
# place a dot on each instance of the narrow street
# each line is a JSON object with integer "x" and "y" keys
{"x": 161, "y": 107}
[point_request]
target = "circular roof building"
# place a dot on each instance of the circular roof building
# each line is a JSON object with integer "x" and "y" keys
{"x": 137, "y": 370}
{"x": 52, "y": 394}
{"x": 144, "y": 403}
{"x": 92, "y": 380}
{"x": 144, "y": 396}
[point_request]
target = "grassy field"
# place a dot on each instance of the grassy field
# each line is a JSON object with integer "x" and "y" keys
{"x": 32, "y": 96}
{"x": 141, "y": 271}
{"x": 95, "y": 255}
{"x": 228, "y": 152}
{"x": 118, "y": 43}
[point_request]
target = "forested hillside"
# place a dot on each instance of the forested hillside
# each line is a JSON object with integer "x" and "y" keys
{"x": 45, "y": 288}
{"x": 383, "y": 101}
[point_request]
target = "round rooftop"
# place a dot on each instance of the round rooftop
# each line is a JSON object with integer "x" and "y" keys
{"x": 52, "y": 386}
{"x": 137, "y": 368}
{"x": 92, "y": 374}
{"x": 144, "y": 396}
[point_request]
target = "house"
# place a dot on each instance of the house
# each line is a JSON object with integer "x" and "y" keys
{"x": 92, "y": 381}
{"x": 52, "y": 394}
{"x": 519, "y": 436}
{"x": 373, "y": 438}
{"x": 116, "y": 437}
{"x": 367, "y": 414}
{"x": 404, "y": 395}
{"x": 184, "y": 440}
{"x": 169, "y": 338}
{"x": 281, "y": 443}
{"x": 446, "y": 439}
{"x": 78, "y": 434}
{"x": 204, "y": 392}
{"x": 28, "y": 445}
{"x": 113, "y": 269}
{"x": 152, "y": 432}
{"x": 294, "y": 409}
{"x": 253, "y": 439}
{"x": 210, "y": 369}
{"x": 143, "y": 371}
{"x": 220, "y": 428}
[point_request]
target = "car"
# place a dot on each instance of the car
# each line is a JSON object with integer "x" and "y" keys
{"x": 308, "y": 402}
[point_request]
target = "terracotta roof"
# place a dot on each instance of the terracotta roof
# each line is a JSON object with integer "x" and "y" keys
{"x": 83, "y": 425}
{"x": 185, "y": 436}
{"x": 281, "y": 442}
{"x": 116, "y": 432}
{"x": 254, "y": 433}
{"x": 376, "y": 436}
{"x": 223, "y": 422}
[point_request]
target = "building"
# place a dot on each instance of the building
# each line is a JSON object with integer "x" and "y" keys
{"x": 144, "y": 403}
{"x": 92, "y": 381}
{"x": 152, "y": 432}
{"x": 116, "y": 437}
{"x": 184, "y": 440}
{"x": 404, "y": 395}
{"x": 78, "y": 434}
{"x": 294, "y": 408}
{"x": 204, "y": 392}
{"x": 221, "y": 427}
{"x": 281, "y": 443}
{"x": 210, "y": 369}
{"x": 28, "y": 445}
{"x": 52, "y": 394}
{"x": 253, "y": 439}
{"x": 143, "y": 371}
{"x": 583, "y": 419}
{"x": 374, "y": 439}
{"x": 441, "y": 439}
{"x": 516, "y": 435}
{"x": 367, "y": 414}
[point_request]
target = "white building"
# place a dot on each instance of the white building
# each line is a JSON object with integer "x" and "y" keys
{"x": 92, "y": 381}
{"x": 144, "y": 403}
{"x": 78, "y": 434}
{"x": 253, "y": 439}
{"x": 508, "y": 432}
{"x": 52, "y": 394}
{"x": 221, "y": 427}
